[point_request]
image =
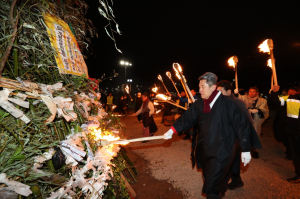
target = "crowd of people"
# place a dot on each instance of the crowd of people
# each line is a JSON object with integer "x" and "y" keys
{"x": 224, "y": 127}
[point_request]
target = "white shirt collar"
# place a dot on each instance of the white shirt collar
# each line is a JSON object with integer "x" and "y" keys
{"x": 212, "y": 103}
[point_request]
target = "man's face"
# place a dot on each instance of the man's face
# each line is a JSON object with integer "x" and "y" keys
{"x": 193, "y": 92}
{"x": 139, "y": 95}
{"x": 206, "y": 90}
{"x": 292, "y": 92}
{"x": 224, "y": 92}
{"x": 183, "y": 94}
{"x": 144, "y": 98}
{"x": 252, "y": 93}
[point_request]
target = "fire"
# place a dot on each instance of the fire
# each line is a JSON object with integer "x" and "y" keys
{"x": 159, "y": 77}
{"x": 269, "y": 63}
{"x": 169, "y": 74}
{"x": 231, "y": 62}
{"x": 100, "y": 136}
{"x": 113, "y": 107}
{"x": 156, "y": 104}
{"x": 162, "y": 97}
{"x": 264, "y": 47}
{"x": 177, "y": 74}
{"x": 154, "y": 89}
{"x": 127, "y": 89}
{"x": 177, "y": 67}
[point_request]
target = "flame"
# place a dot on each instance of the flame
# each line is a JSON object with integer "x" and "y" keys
{"x": 159, "y": 77}
{"x": 100, "y": 136}
{"x": 169, "y": 74}
{"x": 113, "y": 107}
{"x": 162, "y": 97}
{"x": 264, "y": 47}
{"x": 177, "y": 74}
{"x": 155, "y": 103}
{"x": 158, "y": 111}
{"x": 231, "y": 62}
{"x": 127, "y": 89}
{"x": 155, "y": 88}
{"x": 269, "y": 63}
{"x": 177, "y": 67}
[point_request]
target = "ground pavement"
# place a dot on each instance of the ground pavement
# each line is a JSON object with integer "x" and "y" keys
{"x": 167, "y": 164}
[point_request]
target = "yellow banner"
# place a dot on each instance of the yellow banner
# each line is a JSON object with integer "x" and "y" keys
{"x": 69, "y": 58}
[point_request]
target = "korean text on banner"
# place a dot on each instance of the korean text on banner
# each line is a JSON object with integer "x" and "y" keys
{"x": 69, "y": 58}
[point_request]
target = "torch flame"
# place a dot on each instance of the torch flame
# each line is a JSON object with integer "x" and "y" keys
{"x": 177, "y": 74}
{"x": 169, "y": 74}
{"x": 159, "y": 77}
{"x": 162, "y": 97}
{"x": 100, "y": 136}
{"x": 269, "y": 63}
{"x": 158, "y": 111}
{"x": 231, "y": 62}
{"x": 154, "y": 89}
{"x": 177, "y": 67}
{"x": 264, "y": 47}
{"x": 127, "y": 89}
{"x": 155, "y": 104}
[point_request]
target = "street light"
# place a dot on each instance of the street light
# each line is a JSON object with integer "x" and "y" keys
{"x": 125, "y": 63}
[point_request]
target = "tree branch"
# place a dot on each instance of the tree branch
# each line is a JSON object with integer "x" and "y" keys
{"x": 12, "y": 39}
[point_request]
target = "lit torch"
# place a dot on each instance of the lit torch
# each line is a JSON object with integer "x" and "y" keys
{"x": 169, "y": 75}
{"x": 160, "y": 79}
{"x": 178, "y": 70}
{"x": 127, "y": 91}
{"x": 165, "y": 98}
{"x": 267, "y": 47}
{"x": 232, "y": 61}
{"x": 155, "y": 88}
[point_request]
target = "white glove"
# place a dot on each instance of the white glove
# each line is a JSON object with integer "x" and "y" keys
{"x": 168, "y": 134}
{"x": 236, "y": 91}
{"x": 246, "y": 157}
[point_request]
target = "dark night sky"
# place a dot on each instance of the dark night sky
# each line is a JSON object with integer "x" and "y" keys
{"x": 201, "y": 36}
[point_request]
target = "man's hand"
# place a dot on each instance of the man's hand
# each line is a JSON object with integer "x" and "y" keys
{"x": 236, "y": 91}
{"x": 253, "y": 110}
{"x": 246, "y": 157}
{"x": 168, "y": 134}
{"x": 276, "y": 88}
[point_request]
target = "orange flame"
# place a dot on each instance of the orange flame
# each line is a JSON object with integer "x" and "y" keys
{"x": 264, "y": 47}
{"x": 127, "y": 89}
{"x": 155, "y": 103}
{"x": 169, "y": 74}
{"x": 154, "y": 89}
{"x": 269, "y": 63}
{"x": 162, "y": 97}
{"x": 231, "y": 61}
{"x": 159, "y": 77}
{"x": 100, "y": 136}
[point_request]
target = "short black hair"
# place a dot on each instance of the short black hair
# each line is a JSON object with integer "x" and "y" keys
{"x": 145, "y": 94}
{"x": 253, "y": 87}
{"x": 225, "y": 84}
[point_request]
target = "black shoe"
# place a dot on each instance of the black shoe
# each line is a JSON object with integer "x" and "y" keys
{"x": 145, "y": 141}
{"x": 187, "y": 137}
{"x": 254, "y": 154}
{"x": 235, "y": 184}
{"x": 295, "y": 180}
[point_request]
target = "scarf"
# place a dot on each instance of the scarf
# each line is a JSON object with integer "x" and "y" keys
{"x": 145, "y": 102}
{"x": 250, "y": 101}
{"x": 206, "y": 108}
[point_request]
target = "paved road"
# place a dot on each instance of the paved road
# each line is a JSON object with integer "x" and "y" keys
{"x": 170, "y": 160}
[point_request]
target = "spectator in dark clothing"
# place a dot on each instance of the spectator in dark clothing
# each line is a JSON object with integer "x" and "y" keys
{"x": 137, "y": 106}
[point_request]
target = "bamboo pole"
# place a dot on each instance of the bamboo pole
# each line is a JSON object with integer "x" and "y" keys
{"x": 271, "y": 46}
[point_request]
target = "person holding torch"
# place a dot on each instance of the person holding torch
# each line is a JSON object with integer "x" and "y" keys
{"x": 222, "y": 124}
